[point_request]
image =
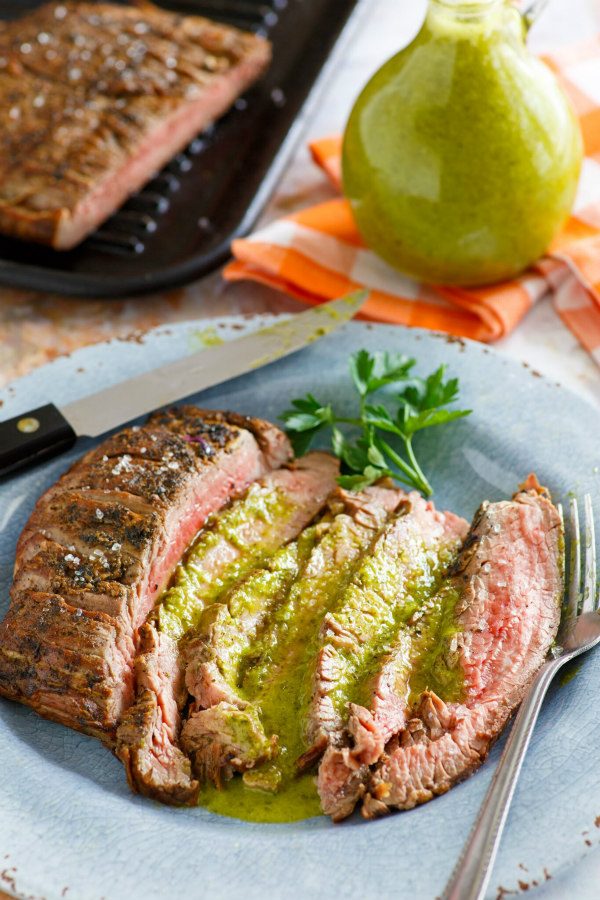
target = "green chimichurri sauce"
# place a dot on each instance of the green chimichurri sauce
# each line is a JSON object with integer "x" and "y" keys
{"x": 276, "y": 679}
{"x": 200, "y": 578}
{"x": 455, "y": 140}
{"x": 435, "y": 660}
{"x": 274, "y": 792}
{"x": 297, "y": 800}
{"x": 270, "y": 666}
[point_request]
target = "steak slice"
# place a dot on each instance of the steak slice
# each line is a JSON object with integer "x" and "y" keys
{"x": 241, "y": 537}
{"x": 509, "y": 583}
{"x": 245, "y": 535}
{"x": 164, "y": 773}
{"x": 99, "y": 548}
{"x": 224, "y": 732}
{"x": 394, "y": 580}
{"x": 355, "y": 520}
{"x": 252, "y": 650}
{"x": 344, "y": 767}
{"x": 229, "y": 629}
{"x": 98, "y": 97}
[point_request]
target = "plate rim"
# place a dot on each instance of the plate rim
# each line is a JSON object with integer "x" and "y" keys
{"x": 197, "y": 324}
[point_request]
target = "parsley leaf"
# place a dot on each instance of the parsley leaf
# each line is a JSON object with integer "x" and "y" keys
{"x": 368, "y": 447}
{"x": 304, "y": 421}
{"x": 373, "y": 371}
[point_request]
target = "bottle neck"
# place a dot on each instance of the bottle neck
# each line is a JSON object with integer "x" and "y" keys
{"x": 465, "y": 11}
{"x": 470, "y": 19}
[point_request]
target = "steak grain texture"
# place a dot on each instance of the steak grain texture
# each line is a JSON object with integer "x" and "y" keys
{"x": 510, "y": 579}
{"x": 148, "y": 736}
{"x": 99, "y": 548}
{"x": 97, "y": 97}
{"x": 271, "y": 623}
{"x": 394, "y": 583}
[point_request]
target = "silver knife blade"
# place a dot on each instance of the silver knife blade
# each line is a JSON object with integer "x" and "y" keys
{"x": 93, "y": 415}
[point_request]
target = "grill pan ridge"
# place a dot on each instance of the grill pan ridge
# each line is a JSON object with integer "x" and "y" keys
{"x": 181, "y": 224}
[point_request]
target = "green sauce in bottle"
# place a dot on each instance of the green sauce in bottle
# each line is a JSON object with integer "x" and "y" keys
{"x": 462, "y": 155}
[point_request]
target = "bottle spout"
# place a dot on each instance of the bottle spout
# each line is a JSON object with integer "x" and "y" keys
{"x": 532, "y": 12}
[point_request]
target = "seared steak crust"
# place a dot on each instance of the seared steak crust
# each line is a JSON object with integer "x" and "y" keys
{"x": 509, "y": 575}
{"x": 97, "y": 98}
{"x": 100, "y": 546}
{"x": 147, "y": 735}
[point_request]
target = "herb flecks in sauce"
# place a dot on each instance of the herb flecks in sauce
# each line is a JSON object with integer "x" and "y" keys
{"x": 388, "y": 589}
{"x": 195, "y": 583}
{"x": 276, "y": 677}
{"x": 405, "y": 617}
{"x": 233, "y": 627}
{"x": 434, "y": 664}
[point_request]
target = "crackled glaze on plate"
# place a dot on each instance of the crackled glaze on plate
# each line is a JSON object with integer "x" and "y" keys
{"x": 67, "y": 819}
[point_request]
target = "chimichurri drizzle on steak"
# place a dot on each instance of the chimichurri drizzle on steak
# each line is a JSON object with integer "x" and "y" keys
{"x": 353, "y": 557}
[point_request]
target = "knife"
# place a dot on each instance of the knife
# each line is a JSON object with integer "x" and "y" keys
{"x": 43, "y": 432}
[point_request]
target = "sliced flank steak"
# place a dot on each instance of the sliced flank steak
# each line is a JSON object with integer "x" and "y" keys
{"x": 360, "y": 687}
{"x": 156, "y": 768}
{"x": 264, "y": 633}
{"x": 223, "y": 727}
{"x": 508, "y": 581}
{"x": 240, "y": 538}
{"x": 99, "y": 548}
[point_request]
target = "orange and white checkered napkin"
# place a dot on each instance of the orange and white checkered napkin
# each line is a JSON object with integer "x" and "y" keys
{"x": 317, "y": 254}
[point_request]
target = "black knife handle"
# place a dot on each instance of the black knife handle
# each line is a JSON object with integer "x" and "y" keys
{"x": 33, "y": 437}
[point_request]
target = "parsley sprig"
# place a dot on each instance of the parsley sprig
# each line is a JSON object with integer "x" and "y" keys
{"x": 378, "y": 442}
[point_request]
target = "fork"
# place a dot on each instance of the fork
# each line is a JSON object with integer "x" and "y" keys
{"x": 579, "y": 632}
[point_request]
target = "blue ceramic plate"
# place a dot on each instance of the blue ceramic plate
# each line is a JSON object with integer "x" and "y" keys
{"x": 69, "y": 826}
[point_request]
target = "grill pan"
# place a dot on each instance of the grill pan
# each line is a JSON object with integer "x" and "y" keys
{"x": 180, "y": 226}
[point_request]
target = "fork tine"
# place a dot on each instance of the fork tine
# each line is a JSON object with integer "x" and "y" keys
{"x": 589, "y": 583}
{"x": 574, "y": 560}
{"x": 561, "y": 515}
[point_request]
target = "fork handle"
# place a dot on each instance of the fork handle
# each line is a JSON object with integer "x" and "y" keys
{"x": 474, "y": 868}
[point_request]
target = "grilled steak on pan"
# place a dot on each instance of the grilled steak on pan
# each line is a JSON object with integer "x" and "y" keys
{"x": 101, "y": 545}
{"x": 147, "y": 739}
{"x": 97, "y": 98}
{"x": 508, "y": 583}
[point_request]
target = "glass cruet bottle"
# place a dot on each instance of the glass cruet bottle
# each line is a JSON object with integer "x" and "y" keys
{"x": 462, "y": 154}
